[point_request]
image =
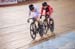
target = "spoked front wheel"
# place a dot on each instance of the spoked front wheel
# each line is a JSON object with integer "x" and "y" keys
{"x": 33, "y": 31}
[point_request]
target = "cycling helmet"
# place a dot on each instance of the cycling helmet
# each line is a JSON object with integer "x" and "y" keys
{"x": 44, "y": 4}
{"x": 31, "y": 7}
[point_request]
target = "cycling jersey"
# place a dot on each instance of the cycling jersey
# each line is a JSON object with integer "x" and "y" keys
{"x": 48, "y": 10}
{"x": 36, "y": 13}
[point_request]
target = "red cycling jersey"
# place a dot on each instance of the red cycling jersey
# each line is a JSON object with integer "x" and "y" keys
{"x": 48, "y": 10}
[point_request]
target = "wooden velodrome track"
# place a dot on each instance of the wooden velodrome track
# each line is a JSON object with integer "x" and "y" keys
{"x": 14, "y": 29}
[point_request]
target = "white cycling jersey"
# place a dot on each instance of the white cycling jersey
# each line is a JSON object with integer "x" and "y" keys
{"x": 36, "y": 13}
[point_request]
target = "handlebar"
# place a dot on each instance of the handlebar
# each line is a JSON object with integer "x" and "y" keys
{"x": 29, "y": 20}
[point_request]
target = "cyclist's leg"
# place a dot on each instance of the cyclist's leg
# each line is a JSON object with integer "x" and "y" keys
{"x": 36, "y": 15}
{"x": 36, "y": 21}
{"x": 50, "y": 19}
{"x": 47, "y": 18}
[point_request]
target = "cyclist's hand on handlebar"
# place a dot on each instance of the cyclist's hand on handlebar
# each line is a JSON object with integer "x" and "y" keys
{"x": 40, "y": 16}
{"x": 28, "y": 20}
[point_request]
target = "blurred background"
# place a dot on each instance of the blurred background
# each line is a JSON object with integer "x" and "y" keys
{"x": 14, "y": 29}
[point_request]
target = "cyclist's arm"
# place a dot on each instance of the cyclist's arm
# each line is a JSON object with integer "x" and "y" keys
{"x": 29, "y": 13}
{"x": 42, "y": 11}
{"x": 50, "y": 10}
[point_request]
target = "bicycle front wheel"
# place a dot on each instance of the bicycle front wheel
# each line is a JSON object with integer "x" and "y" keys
{"x": 33, "y": 31}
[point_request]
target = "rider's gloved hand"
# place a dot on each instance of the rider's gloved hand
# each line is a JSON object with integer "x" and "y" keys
{"x": 28, "y": 20}
{"x": 40, "y": 16}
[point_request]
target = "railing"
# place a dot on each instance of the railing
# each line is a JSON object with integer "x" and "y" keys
{"x": 5, "y": 2}
{"x": 15, "y": 2}
{"x": 26, "y": 0}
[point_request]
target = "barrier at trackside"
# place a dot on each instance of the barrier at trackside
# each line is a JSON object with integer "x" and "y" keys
{"x": 5, "y": 2}
{"x": 16, "y": 2}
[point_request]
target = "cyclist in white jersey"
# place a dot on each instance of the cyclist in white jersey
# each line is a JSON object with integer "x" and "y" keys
{"x": 34, "y": 13}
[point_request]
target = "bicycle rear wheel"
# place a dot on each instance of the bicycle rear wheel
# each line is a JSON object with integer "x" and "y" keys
{"x": 41, "y": 29}
{"x": 51, "y": 22}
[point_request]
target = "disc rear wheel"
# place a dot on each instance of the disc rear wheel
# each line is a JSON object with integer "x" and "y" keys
{"x": 45, "y": 27}
{"x": 51, "y": 22}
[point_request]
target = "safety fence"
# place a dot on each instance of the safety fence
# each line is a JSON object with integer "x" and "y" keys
{"x": 8, "y": 2}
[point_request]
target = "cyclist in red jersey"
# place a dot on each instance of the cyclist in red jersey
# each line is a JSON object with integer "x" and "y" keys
{"x": 48, "y": 10}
